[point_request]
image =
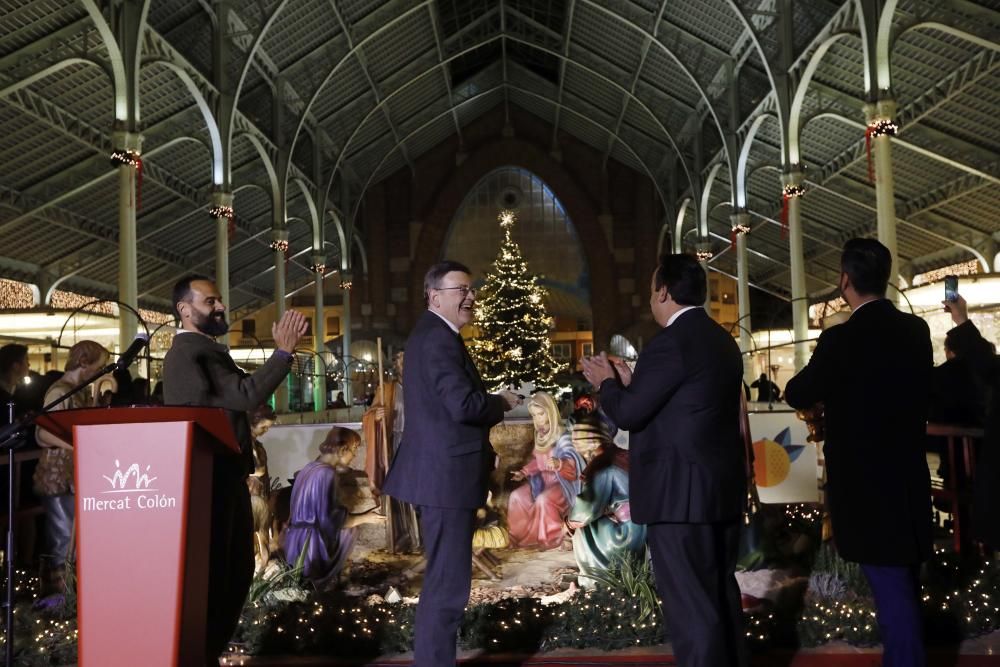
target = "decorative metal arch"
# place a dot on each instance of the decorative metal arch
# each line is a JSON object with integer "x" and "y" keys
{"x": 500, "y": 86}
{"x": 417, "y": 77}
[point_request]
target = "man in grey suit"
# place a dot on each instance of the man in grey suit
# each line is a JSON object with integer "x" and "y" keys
{"x": 687, "y": 462}
{"x": 200, "y": 372}
{"x": 444, "y": 459}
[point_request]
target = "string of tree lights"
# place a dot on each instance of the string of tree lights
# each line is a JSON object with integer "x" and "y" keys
{"x": 513, "y": 345}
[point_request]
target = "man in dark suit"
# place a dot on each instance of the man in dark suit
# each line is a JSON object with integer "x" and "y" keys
{"x": 198, "y": 371}
{"x": 687, "y": 462}
{"x": 13, "y": 367}
{"x": 872, "y": 373}
{"x": 444, "y": 459}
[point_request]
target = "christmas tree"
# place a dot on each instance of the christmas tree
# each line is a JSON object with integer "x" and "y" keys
{"x": 513, "y": 345}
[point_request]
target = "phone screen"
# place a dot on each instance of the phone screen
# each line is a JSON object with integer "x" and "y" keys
{"x": 951, "y": 288}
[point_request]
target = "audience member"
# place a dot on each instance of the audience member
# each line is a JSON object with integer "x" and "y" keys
{"x": 14, "y": 367}
{"x": 767, "y": 391}
{"x": 986, "y": 365}
{"x": 53, "y": 478}
{"x": 957, "y": 394}
{"x": 121, "y": 394}
{"x": 156, "y": 398}
{"x": 140, "y": 391}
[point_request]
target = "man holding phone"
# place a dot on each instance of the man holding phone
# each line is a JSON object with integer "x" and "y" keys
{"x": 871, "y": 373}
{"x": 985, "y": 363}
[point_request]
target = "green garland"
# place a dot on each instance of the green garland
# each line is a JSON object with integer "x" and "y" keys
{"x": 957, "y": 604}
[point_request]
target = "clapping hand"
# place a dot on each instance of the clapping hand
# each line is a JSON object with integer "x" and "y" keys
{"x": 597, "y": 369}
{"x": 289, "y": 330}
{"x": 510, "y": 399}
{"x": 517, "y": 475}
{"x": 624, "y": 372}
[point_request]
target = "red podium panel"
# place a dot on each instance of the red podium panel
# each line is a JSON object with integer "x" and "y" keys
{"x": 143, "y": 494}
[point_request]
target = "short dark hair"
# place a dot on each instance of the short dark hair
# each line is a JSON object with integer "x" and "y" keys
{"x": 10, "y": 354}
{"x": 438, "y": 271}
{"x": 867, "y": 264}
{"x": 683, "y": 277}
{"x": 263, "y": 412}
{"x": 182, "y": 290}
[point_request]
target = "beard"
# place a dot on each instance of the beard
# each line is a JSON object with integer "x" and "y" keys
{"x": 213, "y": 324}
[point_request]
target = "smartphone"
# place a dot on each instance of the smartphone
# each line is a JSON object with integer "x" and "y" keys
{"x": 951, "y": 288}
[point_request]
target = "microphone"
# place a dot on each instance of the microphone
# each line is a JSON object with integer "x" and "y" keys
{"x": 129, "y": 355}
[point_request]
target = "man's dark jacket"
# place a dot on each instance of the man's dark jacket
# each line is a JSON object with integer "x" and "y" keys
{"x": 444, "y": 457}
{"x": 198, "y": 371}
{"x": 872, "y": 374}
{"x": 687, "y": 462}
{"x": 986, "y": 493}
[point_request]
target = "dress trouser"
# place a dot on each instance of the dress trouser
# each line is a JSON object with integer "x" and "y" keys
{"x": 230, "y": 562}
{"x": 694, "y": 565}
{"x": 896, "y": 589}
{"x": 59, "y": 515}
{"x": 447, "y": 538}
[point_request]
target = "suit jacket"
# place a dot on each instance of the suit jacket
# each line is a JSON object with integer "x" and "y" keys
{"x": 200, "y": 372}
{"x": 872, "y": 374}
{"x": 687, "y": 462}
{"x": 445, "y": 457}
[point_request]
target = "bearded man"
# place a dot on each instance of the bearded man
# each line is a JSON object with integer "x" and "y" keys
{"x": 198, "y": 371}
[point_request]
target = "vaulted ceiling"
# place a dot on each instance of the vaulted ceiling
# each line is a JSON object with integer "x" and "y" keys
{"x": 347, "y": 92}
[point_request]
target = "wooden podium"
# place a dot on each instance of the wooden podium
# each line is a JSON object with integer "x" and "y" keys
{"x": 143, "y": 501}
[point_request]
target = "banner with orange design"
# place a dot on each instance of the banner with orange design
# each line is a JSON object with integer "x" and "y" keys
{"x": 785, "y": 464}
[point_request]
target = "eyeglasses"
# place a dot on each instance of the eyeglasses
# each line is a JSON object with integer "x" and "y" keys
{"x": 464, "y": 290}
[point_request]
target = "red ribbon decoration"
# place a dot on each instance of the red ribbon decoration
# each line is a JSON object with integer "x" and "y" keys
{"x": 784, "y": 215}
{"x": 868, "y": 151}
{"x": 231, "y": 229}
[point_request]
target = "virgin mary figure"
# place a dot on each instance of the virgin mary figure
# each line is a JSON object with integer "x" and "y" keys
{"x": 537, "y": 511}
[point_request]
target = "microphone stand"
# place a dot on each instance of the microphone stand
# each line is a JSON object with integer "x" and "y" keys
{"x": 11, "y": 438}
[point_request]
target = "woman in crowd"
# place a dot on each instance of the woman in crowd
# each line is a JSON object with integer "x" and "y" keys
{"x": 536, "y": 511}
{"x": 53, "y": 478}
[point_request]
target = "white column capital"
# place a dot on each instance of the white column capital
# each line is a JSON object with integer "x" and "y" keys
{"x": 221, "y": 198}
{"x": 792, "y": 176}
{"x": 883, "y": 109}
{"x": 124, "y": 140}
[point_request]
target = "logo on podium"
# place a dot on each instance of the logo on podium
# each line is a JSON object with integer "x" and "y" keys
{"x": 120, "y": 480}
{"x": 132, "y": 487}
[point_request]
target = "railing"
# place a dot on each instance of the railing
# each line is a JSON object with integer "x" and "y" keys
{"x": 956, "y": 490}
